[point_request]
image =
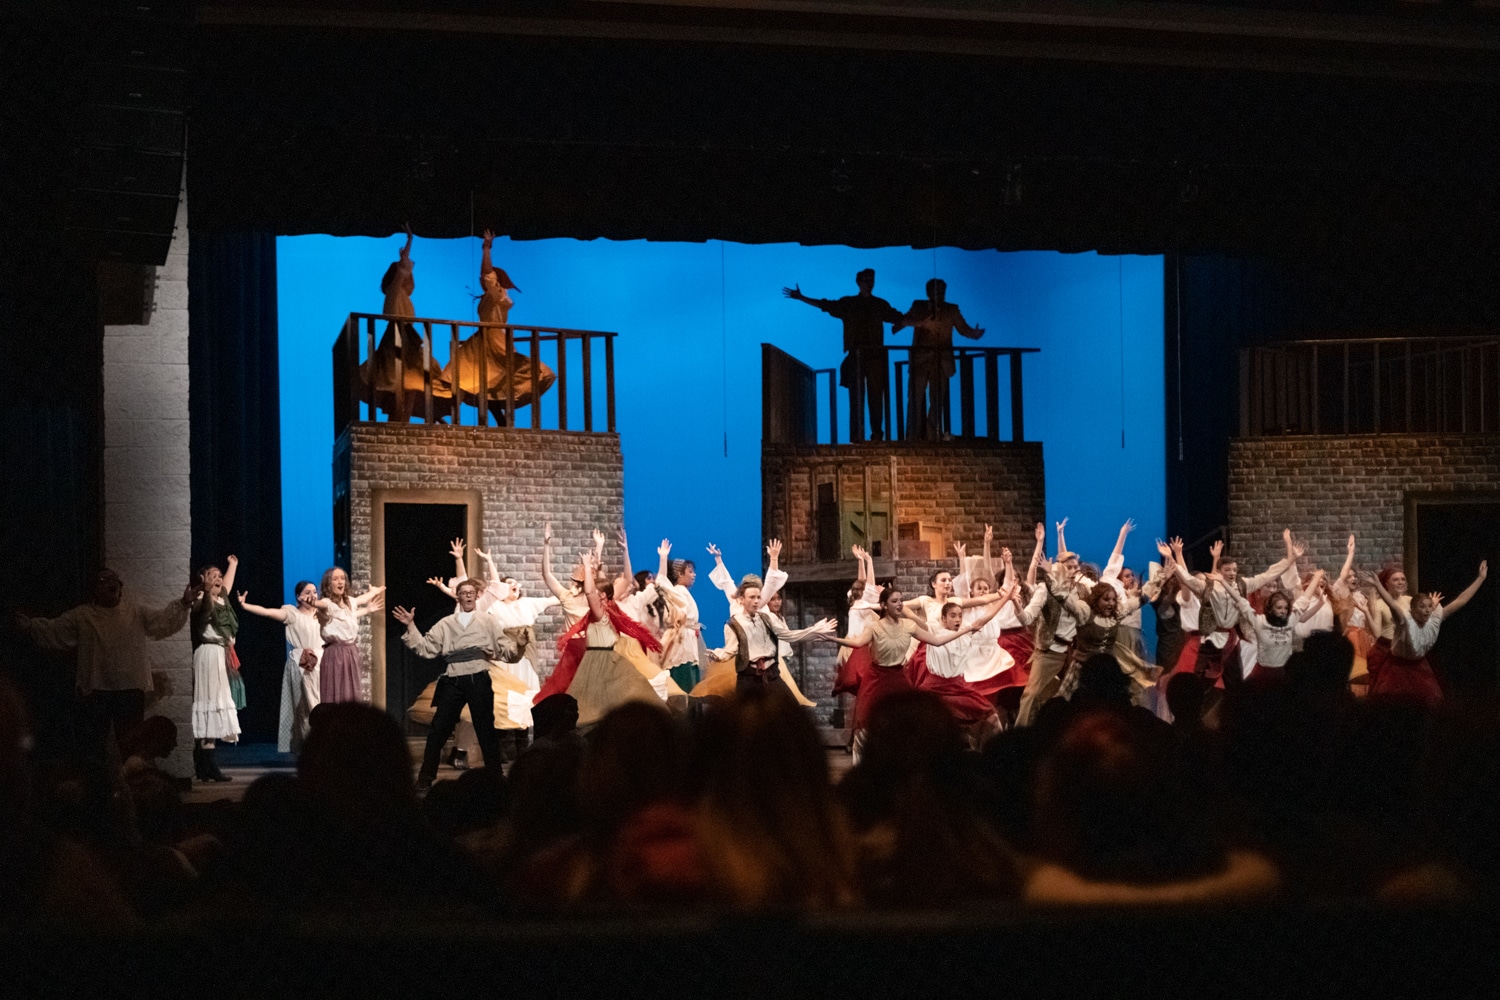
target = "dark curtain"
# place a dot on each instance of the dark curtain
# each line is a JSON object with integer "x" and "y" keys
{"x": 236, "y": 443}
{"x": 51, "y": 411}
{"x": 1215, "y": 305}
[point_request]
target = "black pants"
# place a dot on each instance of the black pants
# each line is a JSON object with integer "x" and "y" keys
{"x": 98, "y": 710}
{"x": 760, "y": 680}
{"x": 867, "y": 388}
{"x": 448, "y": 702}
{"x": 927, "y": 397}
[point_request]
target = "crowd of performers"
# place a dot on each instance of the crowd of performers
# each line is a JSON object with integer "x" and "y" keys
{"x": 994, "y": 643}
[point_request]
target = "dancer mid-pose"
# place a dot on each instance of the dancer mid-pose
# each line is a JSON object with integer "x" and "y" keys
{"x": 1215, "y": 642}
{"x": 1099, "y": 618}
{"x": 718, "y": 678}
{"x": 1055, "y": 627}
{"x": 890, "y": 640}
{"x": 683, "y": 651}
{"x": 339, "y": 614}
{"x": 299, "y": 675}
{"x": 752, "y": 640}
{"x": 575, "y": 606}
{"x": 395, "y": 373}
{"x": 1404, "y": 672}
{"x": 864, "y": 611}
{"x": 466, "y": 641}
{"x": 1352, "y": 606}
{"x": 945, "y": 667}
{"x": 214, "y": 626}
{"x": 604, "y": 679}
{"x": 1275, "y": 632}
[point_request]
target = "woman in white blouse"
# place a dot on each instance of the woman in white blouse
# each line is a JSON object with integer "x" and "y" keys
{"x": 304, "y": 651}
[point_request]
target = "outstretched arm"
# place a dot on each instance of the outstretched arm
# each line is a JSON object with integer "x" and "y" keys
{"x": 962, "y": 326}
{"x": 989, "y": 566}
{"x": 1347, "y": 573}
{"x": 720, "y": 576}
{"x": 229, "y": 574}
{"x": 255, "y": 609}
{"x": 1468, "y": 591}
{"x": 590, "y": 590}
{"x": 371, "y": 596}
{"x": 1036, "y": 554}
{"x": 663, "y": 579}
{"x": 547, "y": 577}
{"x": 625, "y": 556}
{"x": 448, "y": 591}
{"x": 1062, "y": 545}
{"x": 858, "y": 587}
{"x": 485, "y": 266}
{"x": 775, "y": 577}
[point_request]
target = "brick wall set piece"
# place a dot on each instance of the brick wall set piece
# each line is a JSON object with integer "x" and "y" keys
{"x": 525, "y": 478}
{"x": 953, "y": 489}
{"x": 1325, "y": 487}
{"x": 147, "y": 497}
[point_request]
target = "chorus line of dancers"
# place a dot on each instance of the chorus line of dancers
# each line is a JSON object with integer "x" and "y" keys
{"x": 994, "y": 644}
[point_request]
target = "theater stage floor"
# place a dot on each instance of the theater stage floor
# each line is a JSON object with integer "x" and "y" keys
{"x": 248, "y": 761}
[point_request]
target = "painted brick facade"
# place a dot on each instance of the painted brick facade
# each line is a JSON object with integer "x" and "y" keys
{"x": 1325, "y": 487}
{"x": 951, "y": 491}
{"x": 525, "y": 477}
{"x": 147, "y": 498}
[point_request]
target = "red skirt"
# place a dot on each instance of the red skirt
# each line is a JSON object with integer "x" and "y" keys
{"x": 1393, "y": 677}
{"x": 562, "y": 675}
{"x": 1194, "y": 650}
{"x": 851, "y": 671}
{"x": 966, "y": 702}
{"x": 1019, "y": 644}
{"x": 877, "y": 683}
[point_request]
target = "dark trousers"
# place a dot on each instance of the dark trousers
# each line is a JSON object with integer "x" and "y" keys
{"x": 867, "y": 389}
{"x": 448, "y": 702}
{"x": 760, "y": 680}
{"x": 926, "y": 379}
{"x": 99, "y": 710}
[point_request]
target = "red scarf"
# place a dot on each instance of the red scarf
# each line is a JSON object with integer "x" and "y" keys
{"x": 623, "y": 624}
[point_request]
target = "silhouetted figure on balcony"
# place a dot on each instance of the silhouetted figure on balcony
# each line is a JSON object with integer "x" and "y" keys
{"x": 863, "y": 372}
{"x": 933, "y": 321}
{"x": 399, "y": 394}
{"x": 502, "y": 368}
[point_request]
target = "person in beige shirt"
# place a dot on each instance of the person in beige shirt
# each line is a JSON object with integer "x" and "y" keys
{"x": 466, "y": 641}
{"x": 108, "y": 635}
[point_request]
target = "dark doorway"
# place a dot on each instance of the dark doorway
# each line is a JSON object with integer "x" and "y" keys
{"x": 1452, "y": 537}
{"x": 417, "y": 536}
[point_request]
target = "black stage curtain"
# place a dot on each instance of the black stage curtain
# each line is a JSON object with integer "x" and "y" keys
{"x": 1215, "y": 304}
{"x": 236, "y": 443}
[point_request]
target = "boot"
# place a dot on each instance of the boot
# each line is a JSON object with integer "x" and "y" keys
{"x": 211, "y": 765}
{"x": 458, "y": 759}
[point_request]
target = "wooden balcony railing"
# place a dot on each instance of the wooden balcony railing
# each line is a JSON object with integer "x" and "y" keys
{"x": 800, "y": 407}
{"x": 432, "y": 398}
{"x": 1373, "y": 385}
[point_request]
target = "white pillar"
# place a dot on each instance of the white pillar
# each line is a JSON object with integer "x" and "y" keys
{"x": 147, "y": 497}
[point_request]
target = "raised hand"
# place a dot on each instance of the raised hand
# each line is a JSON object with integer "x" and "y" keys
{"x": 1128, "y": 526}
{"x": 1041, "y": 532}
{"x": 795, "y": 292}
{"x": 377, "y": 602}
{"x": 1350, "y": 547}
{"x": 436, "y": 581}
{"x": 773, "y": 549}
{"x": 406, "y": 616}
{"x": 621, "y": 538}
{"x": 456, "y": 548}
{"x": 989, "y": 532}
{"x": 489, "y": 237}
{"x": 1161, "y": 547}
{"x": 1062, "y": 524}
{"x": 598, "y": 540}
{"x": 1005, "y": 557}
{"x": 1298, "y": 549}
{"x": 1437, "y": 597}
{"x": 1484, "y": 568}
{"x": 664, "y": 548}
{"x": 233, "y": 561}
{"x": 961, "y": 550}
{"x": 243, "y": 597}
{"x": 1217, "y": 548}
{"x": 713, "y": 550}
{"x": 1176, "y": 544}
{"x": 857, "y": 552}
{"x": 193, "y": 590}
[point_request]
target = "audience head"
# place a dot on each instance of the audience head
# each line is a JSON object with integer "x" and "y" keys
{"x": 357, "y": 764}
{"x": 631, "y": 763}
{"x": 1111, "y": 805}
{"x": 554, "y": 716}
{"x": 1322, "y": 667}
{"x": 1101, "y": 682}
{"x": 772, "y": 831}
{"x": 1186, "y": 694}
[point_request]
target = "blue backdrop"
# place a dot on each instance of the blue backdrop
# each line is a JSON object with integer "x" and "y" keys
{"x": 691, "y": 318}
